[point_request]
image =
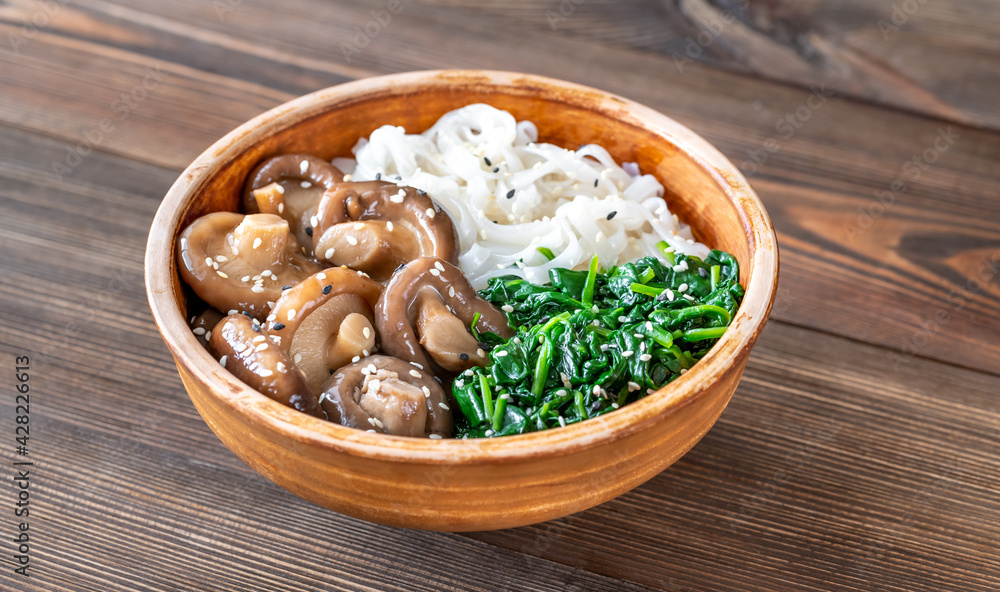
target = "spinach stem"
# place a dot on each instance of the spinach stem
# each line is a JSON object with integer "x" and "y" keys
{"x": 715, "y": 276}
{"x": 701, "y": 334}
{"x": 542, "y": 369}
{"x": 501, "y": 408}
{"x": 487, "y": 394}
{"x": 647, "y": 290}
{"x": 668, "y": 251}
{"x": 588, "y": 288}
{"x": 547, "y": 252}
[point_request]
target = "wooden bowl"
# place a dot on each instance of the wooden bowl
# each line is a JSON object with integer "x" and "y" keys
{"x": 462, "y": 485}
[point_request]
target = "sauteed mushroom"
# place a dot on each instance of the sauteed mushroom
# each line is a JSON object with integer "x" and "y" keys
{"x": 386, "y": 394}
{"x": 325, "y": 321}
{"x": 377, "y": 226}
{"x": 291, "y": 186}
{"x": 202, "y": 324}
{"x": 427, "y": 308}
{"x": 250, "y": 354}
{"x": 240, "y": 262}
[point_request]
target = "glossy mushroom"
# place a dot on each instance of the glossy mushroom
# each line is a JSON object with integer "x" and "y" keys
{"x": 377, "y": 226}
{"x": 325, "y": 321}
{"x": 249, "y": 353}
{"x": 387, "y": 395}
{"x": 425, "y": 312}
{"x": 203, "y": 323}
{"x": 236, "y": 262}
{"x": 291, "y": 186}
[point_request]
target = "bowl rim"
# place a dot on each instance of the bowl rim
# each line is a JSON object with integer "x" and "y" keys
{"x": 160, "y": 273}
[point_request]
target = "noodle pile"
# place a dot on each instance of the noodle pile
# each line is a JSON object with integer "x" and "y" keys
{"x": 509, "y": 196}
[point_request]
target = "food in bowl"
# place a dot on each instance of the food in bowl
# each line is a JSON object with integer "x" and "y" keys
{"x": 351, "y": 285}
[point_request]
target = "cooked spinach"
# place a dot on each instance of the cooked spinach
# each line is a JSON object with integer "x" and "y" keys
{"x": 589, "y": 342}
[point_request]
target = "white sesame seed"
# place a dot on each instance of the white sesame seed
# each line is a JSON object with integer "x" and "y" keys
{"x": 222, "y": 275}
{"x": 684, "y": 370}
{"x": 280, "y": 366}
{"x": 480, "y": 352}
{"x": 417, "y": 365}
{"x": 430, "y": 212}
{"x": 297, "y": 358}
{"x": 468, "y": 372}
{"x": 347, "y": 178}
{"x": 649, "y": 325}
{"x": 304, "y": 166}
{"x": 488, "y": 433}
{"x": 352, "y": 241}
{"x": 280, "y": 189}
{"x": 359, "y": 226}
{"x": 209, "y": 262}
{"x": 291, "y": 314}
{"x": 459, "y": 383}
{"x": 451, "y": 291}
{"x": 482, "y": 234}
{"x": 245, "y": 278}
{"x": 597, "y": 389}
{"x": 365, "y": 353}
{"x": 604, "y": 347}
{"x": 438, "y": 265}
{"x": 372, "y": 368}
{"x": 397, "y": 198}
{"x": 633, "y": 386}
{"x": 415, "y": 374}
{"x": 355, "y": 359}
{"x": 622, "y": 319}
{"x": 645, "y": 357}
{"x": 627, "y": 353}
{"x": 236, "y": 252}
{"x": 275, "y": 339}
{"x": 199, "y": 331}
{"x": 222, "y": 361}
{"x": 501, "y": 354}
{"x": 281, "y": 208}
{"x": 507, "y": 308}
{"x": 259, "y": 339}
{"x": 388, "y": 226}
{"x": 650, "y": 391}
{"x": 271, "y": 317}
{"x": 257, "y": 242}
{"x": 434, "y": 436}
{"x": 313, "y": 221}
{"x": 435, "y": 273}
{"x": 682, "y": 266}
{"x": 670, "y": 295}
{"x": 600, "y": 238}
{"x": 239, "y": 347}
{"x": 427, "y": 391}
{"x": 638, "y": 335}
{"x": 260, "y": 347}
{"x": 371, "y": 420}
{"x": 562, "y": 421}
{"x": 689, "y": 297}
{"x": 366, "y": 332}
{"x": 321, "y": 276}
{"x": 682, "y": 288}
{"x": 265, "y": 373}
{"x": 443, "y": 406}
{"x": 221, "y": 258}
{"x": 614, "y": 405}
{"x": 642, "y": 346}
{"x": 328, "y": 254}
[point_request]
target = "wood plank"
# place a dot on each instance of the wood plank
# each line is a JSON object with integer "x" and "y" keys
{"x": 827, "y": 472}
{"x": 936, "y": 58}
{"x": 820, "y": 184}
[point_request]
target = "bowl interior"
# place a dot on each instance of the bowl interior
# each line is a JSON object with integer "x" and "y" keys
{"x": 703, "y": 189}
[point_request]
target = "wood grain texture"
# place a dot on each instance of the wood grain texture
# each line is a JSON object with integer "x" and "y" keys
{"x": 935, "y": 58}
{"x": 848, "y": 150}
{"x": 830, "y": 470}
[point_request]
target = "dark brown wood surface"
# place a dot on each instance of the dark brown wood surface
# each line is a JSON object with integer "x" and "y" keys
{"x": 860, "y": 452}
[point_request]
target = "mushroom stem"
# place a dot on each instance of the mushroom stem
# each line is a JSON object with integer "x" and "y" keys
{"x": 355, "y": 336}
{"x": 261, "y": 237}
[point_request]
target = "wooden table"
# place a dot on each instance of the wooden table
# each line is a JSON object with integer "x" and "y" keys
{"x": 861, "y": 451}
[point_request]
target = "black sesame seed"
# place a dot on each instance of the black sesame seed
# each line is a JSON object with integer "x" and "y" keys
{"x": 495, "y": 222}
{"x": 283, "y": 288}
{"x": 488, "y": 163}
{"x": 485, "y": 346}
{"x": 496, "y": 169}
{"x": 510, "y": 194}
{"x": 595, "y": 182}
{"x": 277, "y": 326}
{"x": 545, "y": 319}
{"x": 331, "y": 370}
{"x": 702, "y": 272}
{"x": 438, "y": 381}
{"x": 248, "y": 314}
{"x": 327, "y": 288}
{"x": 309, "y": 230}
{"x": 421, "y": 192}
{"x": 612, "y": 214}
{"x": 463, "y": 357}
{"x": 378, "y": 176}
{"x": 595, "y": 405}
{"x": 401, "y": 266}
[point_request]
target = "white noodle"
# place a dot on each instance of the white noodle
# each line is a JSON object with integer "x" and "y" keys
{"x": 555, "y": 203}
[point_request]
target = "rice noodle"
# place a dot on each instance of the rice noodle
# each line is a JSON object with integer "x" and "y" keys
{"x": 555, "y": 202}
